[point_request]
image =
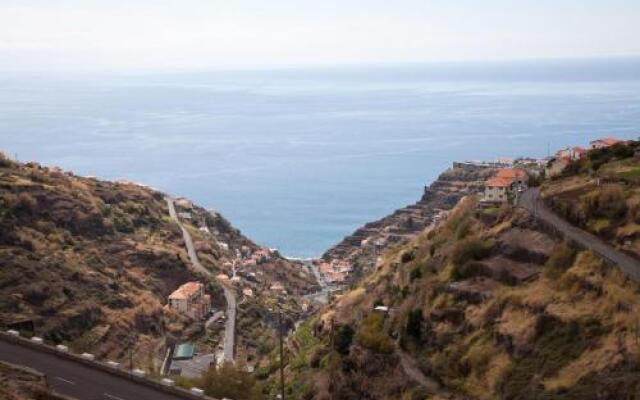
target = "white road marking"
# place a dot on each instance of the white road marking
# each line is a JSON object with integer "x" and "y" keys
{"x": 65, "y": 380}
{"x": 113, "y": 397}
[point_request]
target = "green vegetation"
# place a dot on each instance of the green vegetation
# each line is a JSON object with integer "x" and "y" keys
{"x": 606, "y": 202}
{"x": 407, "y": 256}
{"x": 560, "y": 260}
{"x": 414, "y": 324}
{"x": 493, "y": 307}
{"x": 557, "y": 345}
{"x": 371, "y": 334}
{"x": 470, "y": 249}
{"x": 228, "y": 381}
{"x": 631, "y": 176}
{"x": 343, "y": 339}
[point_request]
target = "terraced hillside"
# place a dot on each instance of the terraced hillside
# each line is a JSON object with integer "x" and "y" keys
{"x": 362, "y": 247}
{"x": 90, "y": 263}
{"x": 487, "y": 305}
{"x": 601, "y": 194}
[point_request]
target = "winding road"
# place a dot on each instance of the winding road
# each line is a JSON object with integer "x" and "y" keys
{"x": 531, "y": 201}
{"x": 229, "y": 294}
{"x": 77, "y": 380}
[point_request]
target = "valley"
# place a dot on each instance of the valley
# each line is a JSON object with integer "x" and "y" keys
{"x": 458, "y": 296}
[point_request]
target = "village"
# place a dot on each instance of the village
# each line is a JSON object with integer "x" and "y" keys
{"x": 502, "y": 182}
{"x": 505, "y": 180}
{"x": 241, "y": 275}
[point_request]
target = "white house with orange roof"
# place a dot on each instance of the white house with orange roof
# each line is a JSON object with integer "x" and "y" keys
{"x": 505, "y": 182}
{"x": 190, "y": 299}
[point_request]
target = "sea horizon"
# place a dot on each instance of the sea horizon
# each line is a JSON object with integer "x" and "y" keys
{"x": 298, "y": 159}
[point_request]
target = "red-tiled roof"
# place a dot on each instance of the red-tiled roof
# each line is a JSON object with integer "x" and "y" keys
{"x": 511, "y": 173}
{"x": 187, "y": 290}
{"x": 498, "y": 181}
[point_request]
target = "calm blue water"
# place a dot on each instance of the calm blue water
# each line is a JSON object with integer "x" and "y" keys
{"x": 297, "y": 159}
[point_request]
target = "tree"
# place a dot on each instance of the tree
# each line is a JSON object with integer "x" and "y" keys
{"x": 344, "y": 336}
{"x": 414, "y": 323}
{"x": 227, "y": 381}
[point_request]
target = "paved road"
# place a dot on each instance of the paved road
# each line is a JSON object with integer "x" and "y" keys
{"x": 77, "y": 380}
{"x": 229, "y": 294}
{"x": 321, "y": 296}
{"x": 531, "y": 201}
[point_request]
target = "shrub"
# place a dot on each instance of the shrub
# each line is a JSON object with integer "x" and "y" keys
{"x": 560, "y": 260}
{"x": 372, "y": 336}
{"x": 5, "y": 209}
{"x": 343, "y": 339}
{"x": 227, "y": 381}
{"x": 463, "y": 229}
{"x": 621, "y": 150}
{"x": 470, "y": 269}
{"x": 415, "y": 273}
{"x": 122, "y": 224}
{"x": 470, "y": 249}
{"x": 407, "y": 256}
{"x": 26, "y": 203}
{"x": 607, "y": 202}
{"x": 414, "y": 323}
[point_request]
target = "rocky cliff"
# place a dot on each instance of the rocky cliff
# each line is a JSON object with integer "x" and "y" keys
{"x": 363, "y": 247}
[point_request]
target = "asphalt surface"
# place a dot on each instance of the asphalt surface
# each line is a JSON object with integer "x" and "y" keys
{"x": 78, "y": 380}
{"x": 229, "y": 294}
{"x": 531, "y": 201}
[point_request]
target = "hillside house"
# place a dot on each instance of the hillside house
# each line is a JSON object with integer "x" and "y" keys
{"x": 190, "y": 299}
{"x": 504, "y": 183}
{"x": 571, "y": 153}
{"x": 335, "y": 272}
{"x": 261, "y": 255}
{"x": 602, "y": 143}
{"x": 184, "y": 203}
{"x": 497, "y": 189}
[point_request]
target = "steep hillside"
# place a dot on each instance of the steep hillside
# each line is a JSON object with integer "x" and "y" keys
{"x": 487, "y": 305}
{"x": 601, "y": 193}
{"x": 362, "y": 247}
{"x": 90, "y": 263}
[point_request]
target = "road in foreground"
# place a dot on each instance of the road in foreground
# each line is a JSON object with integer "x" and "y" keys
{"x": 78, "y": 380}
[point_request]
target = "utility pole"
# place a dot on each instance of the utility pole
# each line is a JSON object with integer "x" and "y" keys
{"x": 131, "y": 354}
{"x": 281, "y": 355}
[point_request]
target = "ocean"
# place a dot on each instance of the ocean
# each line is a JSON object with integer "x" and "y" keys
{"x": 299, "y": 158}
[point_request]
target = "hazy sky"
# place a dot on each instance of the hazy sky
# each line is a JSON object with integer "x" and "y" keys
{"x": 88, "y": 34}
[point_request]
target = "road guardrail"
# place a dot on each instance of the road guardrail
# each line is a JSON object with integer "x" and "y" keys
{"x": 110, "y": 367}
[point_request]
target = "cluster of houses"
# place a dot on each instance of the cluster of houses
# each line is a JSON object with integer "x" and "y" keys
{"x": 577, "y": 152}
{"x": 335, "y": 272}
{"x": 190, "y": 300}
{"x": 513, "y": 177}
{"x": 564, "y": 157}
{"x": 259, "y": 256}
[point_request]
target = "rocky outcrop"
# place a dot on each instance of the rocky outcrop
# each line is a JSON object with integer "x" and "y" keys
{"x": 363, "y": 246}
